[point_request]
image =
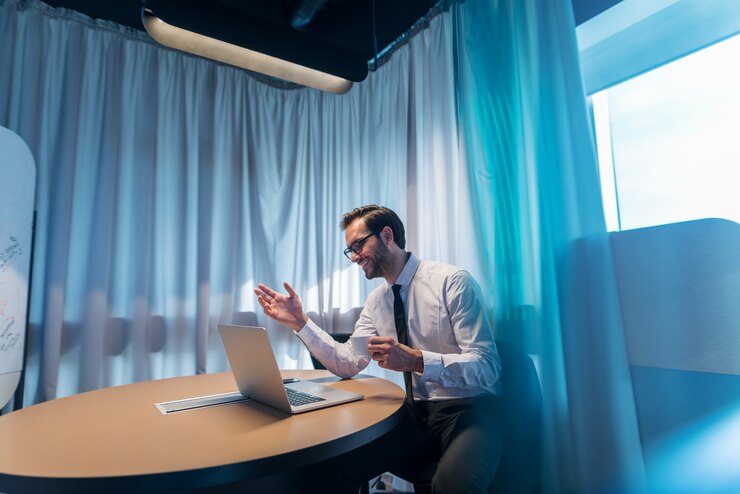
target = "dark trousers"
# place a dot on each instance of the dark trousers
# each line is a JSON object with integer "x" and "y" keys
{"x": 464, "y": 437}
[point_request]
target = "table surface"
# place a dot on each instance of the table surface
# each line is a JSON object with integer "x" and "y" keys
{"x": 117, "y": 437}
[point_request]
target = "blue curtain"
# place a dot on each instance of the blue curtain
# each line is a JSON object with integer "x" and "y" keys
{"x": 534, "y": 192}
{"x": 535, "y": 196}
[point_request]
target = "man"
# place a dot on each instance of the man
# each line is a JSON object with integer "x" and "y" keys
{"x": 428, "y": 322}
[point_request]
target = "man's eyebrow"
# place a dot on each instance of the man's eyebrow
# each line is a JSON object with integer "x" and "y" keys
{"x": 360, "y": 237}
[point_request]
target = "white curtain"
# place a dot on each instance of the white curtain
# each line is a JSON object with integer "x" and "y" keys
{"x": 170, "y": 185}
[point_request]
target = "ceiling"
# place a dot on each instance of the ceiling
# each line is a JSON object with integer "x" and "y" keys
{"x": 346, "y": 23}
{"x": 335, "y": 36}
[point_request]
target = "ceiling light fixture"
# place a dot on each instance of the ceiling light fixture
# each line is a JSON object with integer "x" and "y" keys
{"x": 222, "y": 51}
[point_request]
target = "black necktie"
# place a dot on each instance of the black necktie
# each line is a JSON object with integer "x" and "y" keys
{"x": 400, "y": 319}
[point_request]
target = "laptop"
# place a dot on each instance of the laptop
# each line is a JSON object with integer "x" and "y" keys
{"x": 257, "y": 374}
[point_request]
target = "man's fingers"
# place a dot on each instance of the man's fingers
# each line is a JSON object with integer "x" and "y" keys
{"x": 380, "y": 340}
{"x": 381, "y": 346}
{"x": 289, "y": 289}
{"x": 266, "y": 291}
{"x": 269, "y": 291}
{"x": 261, "y": 299}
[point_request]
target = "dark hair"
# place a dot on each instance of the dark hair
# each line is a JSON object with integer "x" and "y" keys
{"x": 376, "y": 217}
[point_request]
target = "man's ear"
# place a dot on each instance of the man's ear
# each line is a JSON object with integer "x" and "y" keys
{"x": 387, "y": 234}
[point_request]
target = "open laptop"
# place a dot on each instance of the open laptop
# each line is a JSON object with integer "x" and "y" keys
{"x": 258, "y": 376}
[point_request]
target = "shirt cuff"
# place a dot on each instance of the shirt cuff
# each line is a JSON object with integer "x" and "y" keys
{"x": 432, "y": 366}
{"x": 309, "y": 332}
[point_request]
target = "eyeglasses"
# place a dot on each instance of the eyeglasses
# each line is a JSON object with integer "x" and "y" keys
{"x": 356, "y": 247}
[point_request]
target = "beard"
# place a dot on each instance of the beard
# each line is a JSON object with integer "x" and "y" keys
{"x": 379, "y": 264}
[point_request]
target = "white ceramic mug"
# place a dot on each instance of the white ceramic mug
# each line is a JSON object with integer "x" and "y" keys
{"x": 359, "y": 344}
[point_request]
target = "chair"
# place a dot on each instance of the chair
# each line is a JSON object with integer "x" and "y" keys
{"x": 519, "y": 469}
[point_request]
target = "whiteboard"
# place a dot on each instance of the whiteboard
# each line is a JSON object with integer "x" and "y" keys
{"x": 17, "y": 188}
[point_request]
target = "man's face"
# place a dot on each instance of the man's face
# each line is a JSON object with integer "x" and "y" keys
{"x": 374, "y": 256}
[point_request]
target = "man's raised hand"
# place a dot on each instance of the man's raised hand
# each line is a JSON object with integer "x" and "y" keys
{"x": 285, "y": 309}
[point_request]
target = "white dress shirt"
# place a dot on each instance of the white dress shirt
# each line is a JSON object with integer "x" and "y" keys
{"x": 446, "y": 320}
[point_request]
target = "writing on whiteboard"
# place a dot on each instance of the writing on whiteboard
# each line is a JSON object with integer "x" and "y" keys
{"x": 9, "y": 254}
{"x": 11, "y": 330}
{"x": 9, "y": 338}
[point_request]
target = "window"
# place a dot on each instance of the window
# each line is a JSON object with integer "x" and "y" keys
{"x": 669, "y": 141}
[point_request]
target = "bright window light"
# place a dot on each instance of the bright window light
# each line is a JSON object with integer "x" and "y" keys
{"x": 674, "y": 137}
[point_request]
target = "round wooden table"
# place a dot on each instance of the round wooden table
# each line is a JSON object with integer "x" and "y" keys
{"x": 116, "y": 440}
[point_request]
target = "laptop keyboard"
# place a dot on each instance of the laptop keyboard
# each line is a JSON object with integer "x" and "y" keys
{"x": 297, "y": 398}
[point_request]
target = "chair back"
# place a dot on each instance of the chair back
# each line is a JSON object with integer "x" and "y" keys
{"x": 519, "y": 470}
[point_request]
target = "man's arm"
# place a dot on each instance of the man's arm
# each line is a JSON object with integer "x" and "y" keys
{"x": 478, "y": 364}
{"x": 287, "y": 309}
{"x": 338, "y": 358}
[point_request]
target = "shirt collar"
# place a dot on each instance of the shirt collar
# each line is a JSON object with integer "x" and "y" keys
{"x": 408, "y": 271}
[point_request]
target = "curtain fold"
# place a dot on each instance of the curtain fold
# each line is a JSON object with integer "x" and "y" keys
{"x": 534, "y": 191}
{"x": 169, "y": 186}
